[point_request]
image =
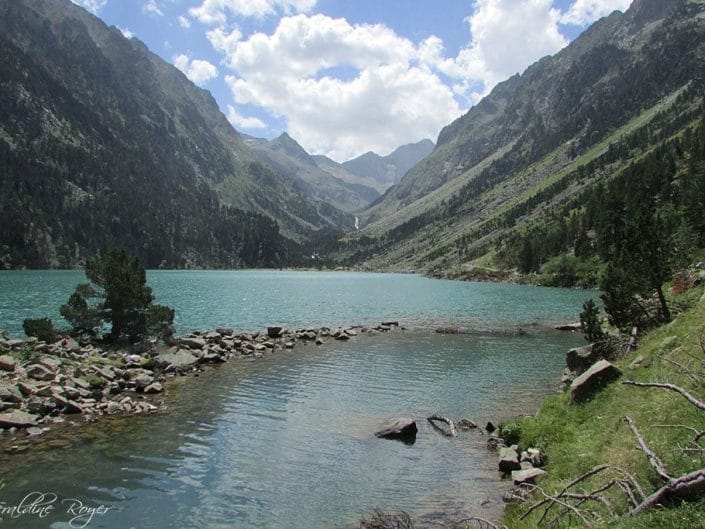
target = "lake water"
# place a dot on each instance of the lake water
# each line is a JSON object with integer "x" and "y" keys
{"x": 286, "y": 441}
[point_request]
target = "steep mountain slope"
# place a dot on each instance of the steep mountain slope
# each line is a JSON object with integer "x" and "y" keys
{"x": 323, "y": 181}
{"x": 542, "y": 137}
{"x": 388, "y": 170}
{"x": 102, "y": 142}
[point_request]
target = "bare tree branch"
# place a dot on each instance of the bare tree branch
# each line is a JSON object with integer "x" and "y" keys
{"x": 654, "y": 460}
{"x": 690, "y": 484}
{"x": 671, "y": 387}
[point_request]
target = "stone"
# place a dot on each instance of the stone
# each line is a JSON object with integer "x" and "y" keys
{"x": 10, "y": 393}
{"x": 7, "y": 405}
{"x": 26, "y": 388}
{"x": 580, "y": 358}
{"x": 493, "y": 443}
{"x": 73, "y": 407}
{"x": 533, "y": 456}
{"x": 225, "y": 331}
{"x": 7, "y": 363}
{"x": 466, "y": 424}
{"x": 17, "y": 419}
{"x": 142, "y": 380}
{"x": 637, "y": 362}
{"x": 341, "y": 336}
{"x": 390, "y": 323}
{"x": 192, "y": 342}
{"x": 573, "y": 327}
{"x": 669, "y": 343}
{"x": 600, "y": 374}
{"x": 155, "y": 387}
{"x": 490, "y": 427}
{"x": 106, "y": 372}
{"x": 81, "y": 383}
{"x": 289, "y": 345}
{"x": 180, "y": 360}
{"x": 113, "y": 407}
{"x": 69, "y": 344}
{"x": 350, "y": 332}
{"x": 213, "y": 336}
{"x": 529, "y": 475}
{"x": 34, "y": 431}
{"x": 274, "y": 331}
{"x": 319, "y": 341}
{"x": 402, "y": 429}
{"x": 40, "y": 372}
{"x": 508, "y": 459}
{"x": 50, "y": 362}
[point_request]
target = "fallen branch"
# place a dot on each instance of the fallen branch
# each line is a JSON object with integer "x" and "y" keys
{"x": 654, "y": 460}
{"x": 686, "y": 486}
{"x": 698, "y": 434}
{"x": 474, "y": 521}
{"x": 671, "y": 387}
{"x": 451, "y": 432}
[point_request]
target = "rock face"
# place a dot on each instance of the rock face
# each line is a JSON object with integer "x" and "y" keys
{"x": 599, "y": 375}
{"x": 402, "y": 429}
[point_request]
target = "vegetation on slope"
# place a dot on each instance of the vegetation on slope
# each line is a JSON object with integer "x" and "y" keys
{"x": 577, "y": 438}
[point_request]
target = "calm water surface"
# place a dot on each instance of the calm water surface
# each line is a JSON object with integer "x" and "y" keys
{"x": 286, "y": 441}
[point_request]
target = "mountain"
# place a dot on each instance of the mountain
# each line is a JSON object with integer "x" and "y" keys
{"x": 320, "y": 178}
{"x": 389, "y": 170}
{"x": 103, "y": 143}
{"x": 541, "y": 143}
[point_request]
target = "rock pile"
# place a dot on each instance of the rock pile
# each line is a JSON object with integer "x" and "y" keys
{"x": 40, "y": 383}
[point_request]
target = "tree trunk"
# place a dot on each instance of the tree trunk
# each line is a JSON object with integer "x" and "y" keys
{"x": 665, "y": 312}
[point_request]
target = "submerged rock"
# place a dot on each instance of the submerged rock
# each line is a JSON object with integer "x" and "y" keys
{"x": 508, "y": 459}
{"x": 402, "y": 429}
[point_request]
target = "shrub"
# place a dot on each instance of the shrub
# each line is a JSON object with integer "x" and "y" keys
{"x": 41, "y": 328}
{"x": 510, "y": 432}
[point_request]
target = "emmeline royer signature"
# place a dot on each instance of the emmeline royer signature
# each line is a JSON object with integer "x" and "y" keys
{"x": 42, "y": 504}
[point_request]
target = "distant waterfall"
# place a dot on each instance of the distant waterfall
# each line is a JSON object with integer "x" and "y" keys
{"x": 357, "y": 223}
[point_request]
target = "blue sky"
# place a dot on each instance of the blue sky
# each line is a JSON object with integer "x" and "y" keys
{"x": 344, "y": 77}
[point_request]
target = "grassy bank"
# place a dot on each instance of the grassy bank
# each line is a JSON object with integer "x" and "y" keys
{"x": 576, "y": 438}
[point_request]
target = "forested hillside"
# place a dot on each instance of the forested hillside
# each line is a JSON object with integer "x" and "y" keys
{"x": 516, "y": 174}
{"x": 102, "y": 142}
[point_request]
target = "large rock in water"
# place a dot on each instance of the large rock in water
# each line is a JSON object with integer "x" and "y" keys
{"x": 598, "y": 376}
{"x": 508, "y": 459}
{"x": 180, "y": 360}
{"x": 402, "y": 429}
{"x": 18, "y": 419}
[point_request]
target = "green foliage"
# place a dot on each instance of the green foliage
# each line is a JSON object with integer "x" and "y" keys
{"x": 41, "y": 328}
{"x": 591, "y": 322}
{"x": 568, "y": 270}
{"x": 119, "y": 297}
{"x": 510, "y": 431}
{"x": 96, "y": 381}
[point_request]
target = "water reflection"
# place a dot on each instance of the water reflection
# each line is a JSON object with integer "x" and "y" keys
{"x": 286, "y": 441}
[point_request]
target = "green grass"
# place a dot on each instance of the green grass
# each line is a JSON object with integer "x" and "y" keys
{"x": 576, "y": 438}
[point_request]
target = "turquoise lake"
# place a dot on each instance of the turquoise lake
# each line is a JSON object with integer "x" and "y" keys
{"x": 286, "y": 441}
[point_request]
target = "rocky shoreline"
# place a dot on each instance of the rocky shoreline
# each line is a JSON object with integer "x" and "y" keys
{"x": 43, "y": 385}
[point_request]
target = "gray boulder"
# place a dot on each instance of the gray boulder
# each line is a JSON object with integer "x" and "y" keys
{"x": 600, "y": 374}
{"x": 402, "y": 429}
{"x": 180, "y": 360}
{"x": 17, "y": 419}
{"x": 274, "y": 332}
{"x": 508, "y": 459}
{"x": 7, "y": 363}
{"x": 40, "y": 372}
{"x": 155, "y": 387}
{"x": 529, "y": 475}
{"x": 192, "y": 342}
{"x": 580, "y": 358}
{"x": 10, "y": 393}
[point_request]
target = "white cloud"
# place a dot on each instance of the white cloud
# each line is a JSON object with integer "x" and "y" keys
{"x": 584, "y": 12}
{"x": 217, "y": 11}
{"x": 507, "y": 36}
{"x": 91, "y": 5}
{"x": 126, "y": 32}
{"x": 184, "y": 22}
{"x": 224, "y": 42}
{"x": 152, "y": 8}
{"x": 387, "y": 102}
{"x": 243, "y": 122}
{"x": 197, "y": 70}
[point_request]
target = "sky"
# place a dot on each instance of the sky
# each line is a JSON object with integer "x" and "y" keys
{"x": 344, "y": 77}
